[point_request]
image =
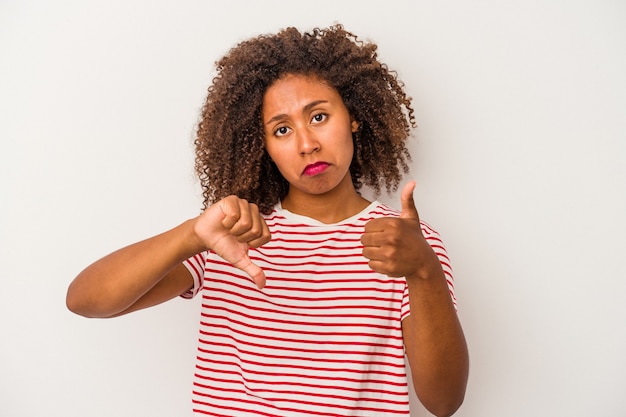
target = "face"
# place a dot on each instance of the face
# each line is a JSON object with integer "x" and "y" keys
{"x": 308, "y": 134}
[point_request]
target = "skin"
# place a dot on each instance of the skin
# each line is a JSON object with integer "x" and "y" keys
{"x": 308, "y": 135}
{"x": 433, "y": 338}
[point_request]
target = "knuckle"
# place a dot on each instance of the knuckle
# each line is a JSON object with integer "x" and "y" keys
{"x": 245, "y": 223}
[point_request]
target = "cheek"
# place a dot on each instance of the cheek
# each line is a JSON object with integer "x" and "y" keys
{"x": 271, "y": 152}
{"x": 276, "y": 156}
{"x": 270, "y": 148}
{"x": 349, "y": 145}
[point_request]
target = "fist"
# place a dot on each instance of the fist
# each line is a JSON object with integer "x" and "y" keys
{"x": 229, "y": 228}
{"x": 395, "y": 246}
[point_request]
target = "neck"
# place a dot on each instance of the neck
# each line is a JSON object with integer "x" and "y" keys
{"x": 331, "y": 207}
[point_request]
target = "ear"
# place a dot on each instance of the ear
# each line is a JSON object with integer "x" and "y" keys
{"x": 354, "y": 125}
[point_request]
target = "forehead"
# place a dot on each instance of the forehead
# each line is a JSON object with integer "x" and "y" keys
{"x": 294, "y": 91}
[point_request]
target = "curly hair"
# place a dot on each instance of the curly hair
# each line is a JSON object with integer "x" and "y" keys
{"x": 230, "y": 143}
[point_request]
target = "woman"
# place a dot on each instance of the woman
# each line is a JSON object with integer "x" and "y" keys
{"x": 312, "y": 296}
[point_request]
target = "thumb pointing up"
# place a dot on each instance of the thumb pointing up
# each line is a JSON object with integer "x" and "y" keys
{"x": 408, "y": 204}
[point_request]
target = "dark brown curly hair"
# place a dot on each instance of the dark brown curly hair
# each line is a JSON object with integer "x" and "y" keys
{"x": 230, "y": 144}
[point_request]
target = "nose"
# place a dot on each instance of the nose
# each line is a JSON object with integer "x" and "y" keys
{"x": 307, "y": 142}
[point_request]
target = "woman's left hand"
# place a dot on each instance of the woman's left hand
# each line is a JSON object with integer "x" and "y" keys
{"x": 395, "y": 246}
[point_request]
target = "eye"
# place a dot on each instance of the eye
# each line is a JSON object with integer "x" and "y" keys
{"x": 281, "y": 131}
{"x": 319, "y": 117}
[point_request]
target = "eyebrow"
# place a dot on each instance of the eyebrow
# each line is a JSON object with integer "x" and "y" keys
{"x": 304, "y": 109}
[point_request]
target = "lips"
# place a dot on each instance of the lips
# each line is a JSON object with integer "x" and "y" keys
{"x": 315, "y": 169}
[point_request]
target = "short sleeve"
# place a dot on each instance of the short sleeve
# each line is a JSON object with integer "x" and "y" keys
{"x": 435, "y": 242}
{"x": 195, "y": 266}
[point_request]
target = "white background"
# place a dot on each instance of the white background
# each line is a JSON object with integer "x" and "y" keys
{"x": 519, "y": 156}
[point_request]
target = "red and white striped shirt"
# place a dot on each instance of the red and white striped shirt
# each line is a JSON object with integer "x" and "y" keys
{"x": 322, "y": 338}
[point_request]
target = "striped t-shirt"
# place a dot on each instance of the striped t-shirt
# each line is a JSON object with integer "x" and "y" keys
{"x": 322, "y": 338}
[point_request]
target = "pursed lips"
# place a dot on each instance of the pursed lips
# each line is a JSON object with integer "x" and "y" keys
{"x": 315, "y": 168}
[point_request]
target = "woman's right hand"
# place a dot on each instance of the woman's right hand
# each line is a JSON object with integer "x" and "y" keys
{"x": 229, "y": 228}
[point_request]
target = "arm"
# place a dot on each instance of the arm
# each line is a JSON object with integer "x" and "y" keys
{"x": 433, "y": 337}
{"x": 434, "y": 341}
{"x": 138, "y": 276}
{"x": 151, "y": 271}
